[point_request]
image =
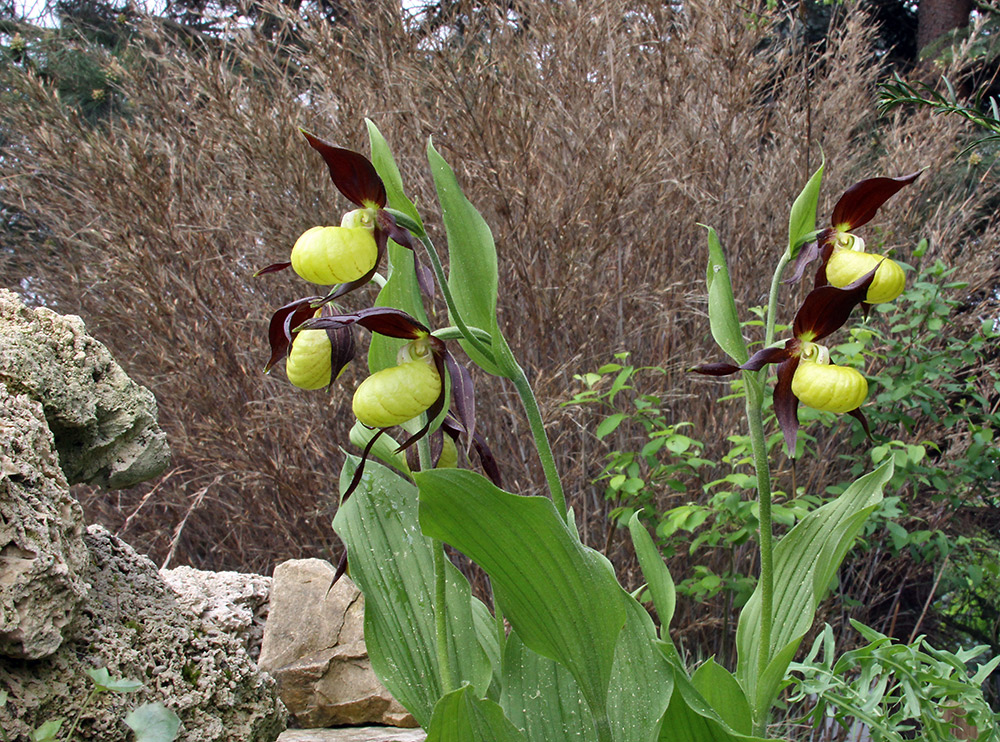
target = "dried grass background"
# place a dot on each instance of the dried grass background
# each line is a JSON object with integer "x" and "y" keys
{"x": 594, "y": 137}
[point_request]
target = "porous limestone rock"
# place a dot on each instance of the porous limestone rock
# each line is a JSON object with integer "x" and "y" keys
{"x": 314, "y": 647}
{"x": 234, "y": 602}
{"x": 42, "y": 552}
{"x": 134, "y": 624}
{"x": 104, "y": 424}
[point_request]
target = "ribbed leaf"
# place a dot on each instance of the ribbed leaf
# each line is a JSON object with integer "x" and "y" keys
{"x": 541, "y": 697}
{"x": 642, "y": 680}
{"x": 388, "y": 171}
{"x": 802, "y": 217}
{"x": 472, "y": 256}
{"x": 805, "y": 561}
{"x": 392, "y": 564}
{"x": 401, "y": 289}
{"x": 722, "y": 316}
{"x": 463, "y": 717}
{"x": 690, "y": 718}
{"x": 654, "y": 569}
{"x": 723, "y": 693}
{"x": 560, "y": 596}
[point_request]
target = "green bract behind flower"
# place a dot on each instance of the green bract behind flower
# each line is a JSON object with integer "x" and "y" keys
{"x": 331, "y": 255}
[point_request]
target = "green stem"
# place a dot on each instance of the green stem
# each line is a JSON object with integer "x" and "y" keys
{"x": 755, "y": 418}
{"x": 541, "y": 439}
{"x": 754, "y": 384}
{"x": 772, "y": 300}
{"x": 456, "y": 317}
{"x": 79, "y": 714}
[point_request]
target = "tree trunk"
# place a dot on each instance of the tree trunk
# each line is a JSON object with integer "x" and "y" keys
{"x": 937, "y": 17}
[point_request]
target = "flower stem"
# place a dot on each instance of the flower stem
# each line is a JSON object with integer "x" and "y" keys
{"x": 754, "y": 408}
{"x": 468, "y": 335}
{"x": 541, "y": 439}
{"x": 754, "y": 384}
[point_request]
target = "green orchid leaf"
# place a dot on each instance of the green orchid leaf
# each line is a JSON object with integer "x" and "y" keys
{"x": 642, "y": 680}
{"x": 805, "y": 562}
{"x": 654, "y": 569}
{"x": 802, "y": 217}
{"x": 460, "y": 716}
{"x": 153, "y": 722}
{"x": 541, "y": 697}
{"x": 690, "y": 717}
{"x": 386, "y": 448}
{"x": 104, "y": 682}
{"x": 561, "y": 597}
{"x": 48, "y": 731}
{"x": 722, "y": 315}
{"x": 393, "y": 565}
{"x": 721, "y": 690}
{"x": 472, "y": 257}
{"x": 388, "y": 171}
{"x": 401, "y": 289}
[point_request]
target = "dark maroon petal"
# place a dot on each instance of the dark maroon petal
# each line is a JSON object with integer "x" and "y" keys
{"x": 341, "y": 349}
{"x": 279, "y": 334}
{"x": 715, "y": 369}
{"x": 860, "y": 202}
{"x": 401, "y": 236}
{"x": 827, "y": 308}
{"x": 351, "y": 172}
{"x": 273, "y": 268}
{"x": 383, "y": 320}
{"x": 786, "y": 404}
{"x": 858, "y": 415}
{"x": 341, "y": 568}
{"x": 356, "y": 479}
{"x": 765, "y": 356}
{"x": 807, "y": 255}
{"x": 463, "y": 395}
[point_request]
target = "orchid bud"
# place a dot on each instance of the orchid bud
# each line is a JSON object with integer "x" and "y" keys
{"x": 331, "y": 255}
{"x": 849, "y": 262}
{"x": 824, "y": 386}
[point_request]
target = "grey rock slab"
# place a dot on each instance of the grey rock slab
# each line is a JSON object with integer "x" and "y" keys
{"x": 353, "y": 734}
{"x": 314, "y": 647}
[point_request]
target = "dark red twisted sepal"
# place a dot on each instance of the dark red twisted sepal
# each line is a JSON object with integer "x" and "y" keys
{"x": 283, "y": 321}
{"x": 860, "y": 202}
{"x": 351, "y": 172}
{"x": 756, "y": 362}
{"x": 826, "y": 309}
{"x": 387, "y": 321}
{"x": 786, "y": 404}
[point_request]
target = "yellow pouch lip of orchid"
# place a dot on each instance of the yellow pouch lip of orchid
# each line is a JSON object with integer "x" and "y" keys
{"x": 332, "y": 255}
{"x": 396, "y": 394}
{"x": 829, "y": 387}
{"x": 308, "y": 365}
{"x": 846, "y": 266}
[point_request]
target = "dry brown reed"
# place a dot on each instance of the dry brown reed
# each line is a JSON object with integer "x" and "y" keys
{"x": 594, "y": 136}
